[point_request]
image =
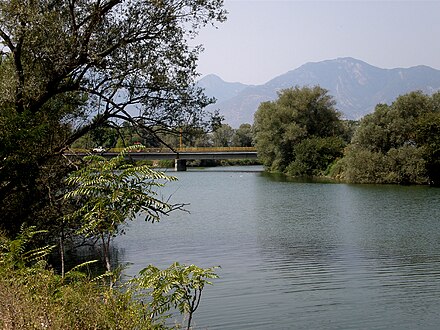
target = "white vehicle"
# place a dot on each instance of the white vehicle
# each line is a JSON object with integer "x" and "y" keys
{"x": 99, "y": 149}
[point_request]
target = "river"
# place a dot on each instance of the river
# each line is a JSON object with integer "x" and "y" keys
{"x": 299, "y": 255}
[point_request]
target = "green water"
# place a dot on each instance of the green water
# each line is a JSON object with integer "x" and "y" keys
{"x": 298, "y": 255}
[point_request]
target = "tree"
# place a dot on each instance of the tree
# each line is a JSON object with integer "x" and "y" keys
{"x": 314, "y": 155}
{"x": 243, "y": 136}
{"x": 70, "y": 67}
{"x": 428, "y": 137}
{"x": 222, "y": 136}
{"x": 111, "y": 192}
{"x": 398, "y": 143}
{"x": 300, "y": 121}
{"x": 178, "y": 286}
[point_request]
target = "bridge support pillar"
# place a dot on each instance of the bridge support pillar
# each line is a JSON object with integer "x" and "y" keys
{"x": 180, "y": 165}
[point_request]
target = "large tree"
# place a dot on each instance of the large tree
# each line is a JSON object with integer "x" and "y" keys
{"x": 243, "y": 136}
{"x": 222, "y": 136}
{"x": 397, "y": 143}
{"x": 68, "y": 67}
{"x": 299, "y": 133}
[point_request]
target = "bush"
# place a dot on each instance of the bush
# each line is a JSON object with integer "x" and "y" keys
{"x": 397, "y": 143}
{"x": 32, "y": 296}
{"x": 314, "y": 156}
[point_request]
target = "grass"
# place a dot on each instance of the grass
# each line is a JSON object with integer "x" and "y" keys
{"x": 35, "y": 298}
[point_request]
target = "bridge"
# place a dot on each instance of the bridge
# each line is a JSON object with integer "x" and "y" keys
{"x": 180, "y": 156}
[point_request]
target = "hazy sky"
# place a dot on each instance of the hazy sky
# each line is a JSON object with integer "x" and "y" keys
{"x": 262, "y": 39}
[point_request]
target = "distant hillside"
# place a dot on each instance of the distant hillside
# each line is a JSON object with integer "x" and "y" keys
{"x": 356, "y": 86}
{"x": 221, "y": 90}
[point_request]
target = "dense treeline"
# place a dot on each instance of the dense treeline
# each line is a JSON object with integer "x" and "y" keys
{"x": 301, "y": 133}
{"x": 397, "y": 143}
{"x": 219, "y": 135}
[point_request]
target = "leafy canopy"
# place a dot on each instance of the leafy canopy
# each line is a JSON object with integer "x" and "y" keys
{"x": 68, "y": 68}
{"x": 300, "y": 119}
{"x": 397, "y": 143}
{"x": 111, "y": 191}
{"x": 108, "y": 193}
{"x": 179, "y": 286}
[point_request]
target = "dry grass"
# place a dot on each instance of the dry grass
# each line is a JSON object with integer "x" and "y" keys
{"x": 40, "y": 300}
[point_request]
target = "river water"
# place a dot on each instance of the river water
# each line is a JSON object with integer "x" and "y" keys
{"x": 299, "y": 255}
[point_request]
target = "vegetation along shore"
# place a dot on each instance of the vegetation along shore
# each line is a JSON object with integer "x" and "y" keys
{"x": 104, "y": 74}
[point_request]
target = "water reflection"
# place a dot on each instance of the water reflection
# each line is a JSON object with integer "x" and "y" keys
{"x": 301, "y": 255}
{"x": 78, "y": 255}
{"x": 345, "y": 249}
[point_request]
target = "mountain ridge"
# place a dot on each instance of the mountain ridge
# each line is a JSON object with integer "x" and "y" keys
{"x": 356, "y": 86}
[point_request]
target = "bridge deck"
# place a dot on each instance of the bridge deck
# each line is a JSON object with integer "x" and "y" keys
{"x": 191, "y": 155}
{"x": 185, "y": 154}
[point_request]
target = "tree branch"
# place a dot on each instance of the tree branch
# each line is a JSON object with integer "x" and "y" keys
{"x": 7, "y": 40}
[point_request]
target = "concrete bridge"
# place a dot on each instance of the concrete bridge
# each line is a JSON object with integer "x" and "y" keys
{"x": 181, "y": 155}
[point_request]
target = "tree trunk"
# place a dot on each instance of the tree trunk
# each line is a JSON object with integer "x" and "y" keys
{"x": 62, "y": 253}
{"x": 106, "y": 251}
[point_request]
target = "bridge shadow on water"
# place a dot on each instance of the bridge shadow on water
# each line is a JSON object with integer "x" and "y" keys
{"x": 244, "y": 169}
{"x": 234, "y": 168}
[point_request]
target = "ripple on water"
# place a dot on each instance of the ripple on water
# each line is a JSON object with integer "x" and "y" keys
{"x": 302, "y": 255}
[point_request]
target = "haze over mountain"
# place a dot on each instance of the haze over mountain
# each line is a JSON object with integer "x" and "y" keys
{"x": 356, "y": 86}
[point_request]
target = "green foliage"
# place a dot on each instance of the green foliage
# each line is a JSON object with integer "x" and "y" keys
{"x": 243, "y": 136}
{"x": 222, "y": 136}
{"x": 110, "y": 192}
{"x": 360, "y": 166}
{"x": 300, "y": 133}
{"x": 101, "y": 136}
{"x": 15, "y": 253}
{"x": 118, "y": 190}
{"x": 428, "y": 137}
{"x": 33, "y": 296}
{"x": 73, "y": 69}
{"x": 179, "y": 287}
{"x": 398, "y": 143}
{"x": 30, "y": 175}
{"x": 404, "y": 165}
{"x": 313, "y": 156}
{"x": 166, "y": 163}
{"x": 39, "y": 299}
{"x": 239, "y": 162}
{"x": 350, "y": 127}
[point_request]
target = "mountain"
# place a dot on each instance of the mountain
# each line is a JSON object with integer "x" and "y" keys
{"x": 220, "y": 89}
{"x": 356, "y": 86}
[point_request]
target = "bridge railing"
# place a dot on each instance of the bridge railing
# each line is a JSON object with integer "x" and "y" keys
{"x": 182, "y": 150}
{"x": 216, "y": 149}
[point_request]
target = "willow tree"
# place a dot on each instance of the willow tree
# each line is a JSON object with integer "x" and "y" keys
{"x": 300, "y": 133}
{"x": 68, "y": 67}
{"x": 397, "y": 143}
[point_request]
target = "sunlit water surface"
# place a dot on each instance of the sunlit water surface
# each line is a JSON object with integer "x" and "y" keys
{"x": 298, "y": 255}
